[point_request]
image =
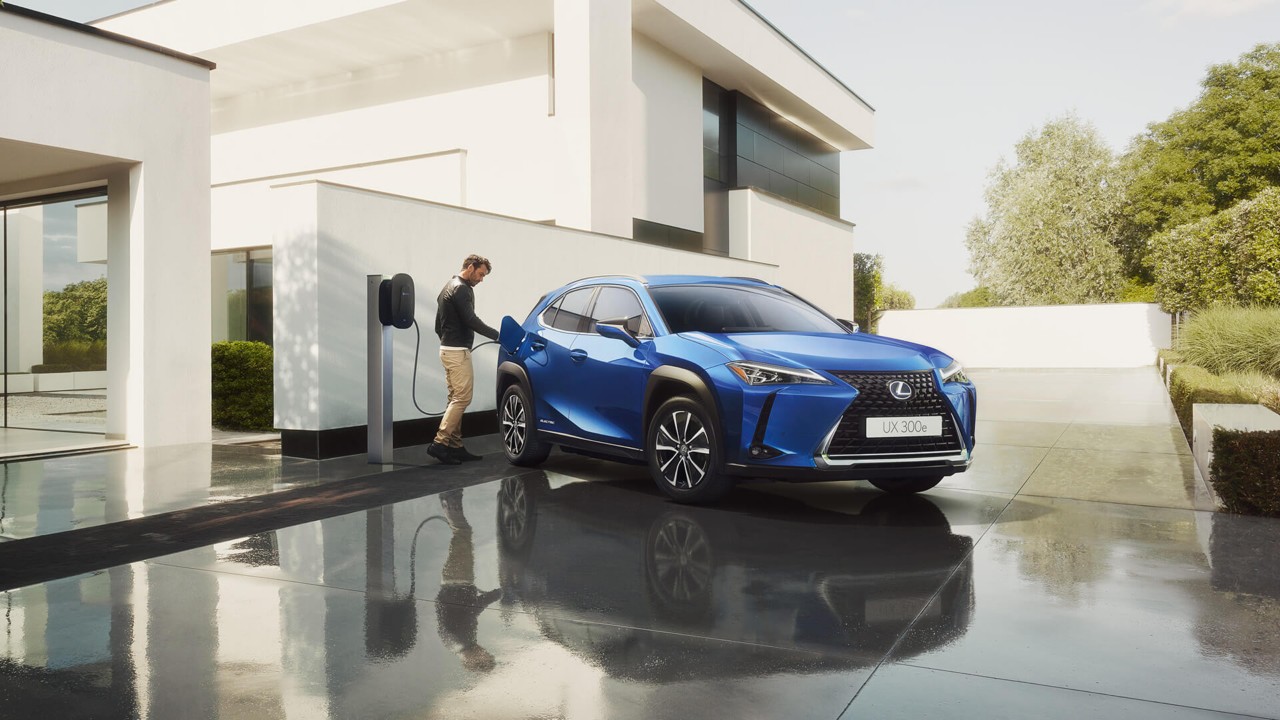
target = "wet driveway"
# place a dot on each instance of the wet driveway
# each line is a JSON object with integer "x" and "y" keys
{"x": 1075, "y": 571}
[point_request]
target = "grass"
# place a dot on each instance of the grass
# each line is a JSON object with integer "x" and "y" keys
{"x": 1233, "y": 340}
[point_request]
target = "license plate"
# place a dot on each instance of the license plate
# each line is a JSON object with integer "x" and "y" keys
{"x": 905, "y": 426}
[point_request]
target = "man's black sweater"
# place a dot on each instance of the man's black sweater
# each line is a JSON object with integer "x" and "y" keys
{"x": 456, "y": 321}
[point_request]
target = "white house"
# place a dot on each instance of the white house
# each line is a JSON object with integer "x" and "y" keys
{"x": 560, "y": 138}
{"x": 87, "y": 115}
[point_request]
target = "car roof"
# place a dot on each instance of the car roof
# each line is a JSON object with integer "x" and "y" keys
{"x": 665, "y": 280}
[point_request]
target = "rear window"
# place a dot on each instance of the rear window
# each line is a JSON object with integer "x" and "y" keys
{"x": 725, "y": 309}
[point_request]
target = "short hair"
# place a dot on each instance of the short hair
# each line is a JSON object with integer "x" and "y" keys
{"x": 474, "y": 260}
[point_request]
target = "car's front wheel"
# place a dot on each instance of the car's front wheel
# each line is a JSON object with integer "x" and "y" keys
{"x": 515, "y": 419}
{"x": 906, "y": 486}
{"x": 684, "y": 453}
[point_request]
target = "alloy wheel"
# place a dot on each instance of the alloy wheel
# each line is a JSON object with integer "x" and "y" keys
{"x": 514, "y": 429}
{"x": 683, "y": 450}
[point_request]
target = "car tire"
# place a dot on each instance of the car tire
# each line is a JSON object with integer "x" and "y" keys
{"x": 684, "y": 453}
{"x": 515, "y": 422}
{"x": 907, "y": 486}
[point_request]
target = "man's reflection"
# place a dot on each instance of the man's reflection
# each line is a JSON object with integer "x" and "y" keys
{"x": 459, "y": 602}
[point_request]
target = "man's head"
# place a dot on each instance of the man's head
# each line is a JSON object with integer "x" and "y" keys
{"x": 474, "y": 269}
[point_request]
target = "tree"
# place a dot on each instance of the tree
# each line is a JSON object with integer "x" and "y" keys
{"x": 866, "y": 287}
{"x": 893, "y": 297}
{"x": 76, "y": 313}
{"x": 1222, "y": 149}
{"x": 977, "y": 297}
{"x": 1045, "y": 239}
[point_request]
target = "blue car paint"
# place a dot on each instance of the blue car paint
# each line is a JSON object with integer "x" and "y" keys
{"x": 600, "y": 397}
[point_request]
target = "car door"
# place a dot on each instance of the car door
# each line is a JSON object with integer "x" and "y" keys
{"x": 611, "y": 375}
{"x": 551, "y": 371}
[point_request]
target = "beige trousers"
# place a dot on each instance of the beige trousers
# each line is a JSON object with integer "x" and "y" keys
{"x": 461, "y": 382}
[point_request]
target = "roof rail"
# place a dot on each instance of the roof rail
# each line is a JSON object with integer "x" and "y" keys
{"x": 744, "y": 277}
{"x": 637, "y": 278}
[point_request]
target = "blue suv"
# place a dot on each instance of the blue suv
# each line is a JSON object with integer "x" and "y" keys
{"x": 712, "y": 379}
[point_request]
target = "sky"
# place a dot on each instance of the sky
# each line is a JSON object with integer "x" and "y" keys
{"x": 956, "y": 84}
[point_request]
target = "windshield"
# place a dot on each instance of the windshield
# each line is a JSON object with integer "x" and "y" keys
{"x": 726, "y": 309}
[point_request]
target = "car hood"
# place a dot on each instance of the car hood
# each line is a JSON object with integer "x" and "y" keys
{"x": 824, "y": 351}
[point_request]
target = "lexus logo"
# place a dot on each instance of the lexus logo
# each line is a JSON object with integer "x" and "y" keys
{"x": 900, "y": 390}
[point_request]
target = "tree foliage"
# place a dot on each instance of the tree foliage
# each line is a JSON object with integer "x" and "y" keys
{"x": 893, "y": 297}
{"x": 1046, "y": 238}
{"x": 977, "y": 297}
{"x": 1223, "y": 148}
{"x": 867, "y": 278}
{"x": 76, "y": 313}
{"x": 1229, "y": 258}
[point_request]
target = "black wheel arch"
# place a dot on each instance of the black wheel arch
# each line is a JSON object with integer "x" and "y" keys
{"x": 510, "y": 373}
{"x": 669, "y": 381}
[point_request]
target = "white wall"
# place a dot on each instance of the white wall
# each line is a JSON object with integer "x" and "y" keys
{"x": 91, "y": 232}
{"x": 813, "y": 252}
{"x": 667, "y": 137}
{"x": 24, "y": 311}
{"x": 329, "y": 238}
{"x": 144, "y": 117}
{"x": 1060, "y": 336}
{"x": 482, "y": 139}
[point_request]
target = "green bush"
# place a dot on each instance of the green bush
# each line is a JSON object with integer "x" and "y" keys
{"x": 242, "y": 386}
{"x": 73, "y": 355}
{"x": 1246, "y": 471}
{"x": 1136, "y": 291}
{"x": 1226, "y": 340}
{"x": 1231, "y": 257}
{"x": 1190, "y": 384}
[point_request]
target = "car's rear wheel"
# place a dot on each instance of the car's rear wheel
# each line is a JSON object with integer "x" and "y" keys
{"x": 684, "y": 453}
{"x": 906, "y": 486}
{"x": 515, "y": 419}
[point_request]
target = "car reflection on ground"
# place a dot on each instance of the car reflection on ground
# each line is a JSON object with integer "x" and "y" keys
{"x": 657, "y": 592}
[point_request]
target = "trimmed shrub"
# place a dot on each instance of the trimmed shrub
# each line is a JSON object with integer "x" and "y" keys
{"x": 1231, "y": 257}
{"x": 243, "y": 392}
{"x": 1246, "y": 471}
{"x": 73, "y": 355}
{"x": 1190, "y": 384}
{"x": 1224, "y": 340}
{"x": 1136, "y": 291}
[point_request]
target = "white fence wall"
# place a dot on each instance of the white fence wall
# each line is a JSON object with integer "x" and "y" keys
{"x": 1060, "y": 336}
{"x": 328, "y": 238}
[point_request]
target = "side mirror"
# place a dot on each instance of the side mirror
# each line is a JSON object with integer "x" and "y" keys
{"x": 617, "y": 330}
{"x": 849, "y": 325}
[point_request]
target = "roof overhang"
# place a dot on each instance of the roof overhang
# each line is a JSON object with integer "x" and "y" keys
{"x": 740, "y": 50}
{"x": 31, "y": 169}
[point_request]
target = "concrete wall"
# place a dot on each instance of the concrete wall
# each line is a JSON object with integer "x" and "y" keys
{"x": 667, "y": 139}
{"x": 1061, "y": 336}
{"x": 813, "y": 252}
{"x": 103, "y": 110}
{"x": 328, "y": 238}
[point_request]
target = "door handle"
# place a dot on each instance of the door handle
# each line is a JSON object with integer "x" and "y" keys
{"x": 578, "y": 355}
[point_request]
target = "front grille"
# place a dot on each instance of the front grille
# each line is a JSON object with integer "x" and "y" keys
{"x": 874, "y": 400}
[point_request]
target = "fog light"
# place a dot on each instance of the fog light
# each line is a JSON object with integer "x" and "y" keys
{"x": 763, "y": 452}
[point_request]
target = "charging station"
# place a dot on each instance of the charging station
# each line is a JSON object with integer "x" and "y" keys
{"x": 390, "y": 306}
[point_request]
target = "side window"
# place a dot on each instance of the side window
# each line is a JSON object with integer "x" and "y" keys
{"x": 616, "y": 303}
{"x": 570, "y": 314}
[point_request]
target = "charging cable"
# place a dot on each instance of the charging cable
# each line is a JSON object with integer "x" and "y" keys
{"x": 418, "y": 349}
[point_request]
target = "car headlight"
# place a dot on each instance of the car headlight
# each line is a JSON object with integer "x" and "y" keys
{"x": 954, "y": 373}
{"x": 763, "y": 374}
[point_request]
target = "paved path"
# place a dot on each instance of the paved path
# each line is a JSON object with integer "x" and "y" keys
{"x": 1075, "y": 571}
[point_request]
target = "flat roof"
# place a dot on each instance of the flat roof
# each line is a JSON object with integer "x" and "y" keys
{"x": 104, "y": 34}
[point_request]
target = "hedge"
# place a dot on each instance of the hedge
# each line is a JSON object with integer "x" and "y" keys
{"x": 243, "y": 394}
{"x": 1190, "y": 384}
{"x": 1246, "y": 471}
{"x": 1231, "y": 257}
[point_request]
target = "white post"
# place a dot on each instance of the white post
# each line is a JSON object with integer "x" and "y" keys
{"x": 380, "y": 376}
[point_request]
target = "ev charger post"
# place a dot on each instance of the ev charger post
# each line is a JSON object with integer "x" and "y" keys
{"x": 380, "y": 356}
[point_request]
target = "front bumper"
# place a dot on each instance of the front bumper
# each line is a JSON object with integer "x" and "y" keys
{"x": 811, "y": 432}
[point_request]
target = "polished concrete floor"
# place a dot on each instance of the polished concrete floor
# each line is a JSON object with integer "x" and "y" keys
{"x": 1077, "y": 570}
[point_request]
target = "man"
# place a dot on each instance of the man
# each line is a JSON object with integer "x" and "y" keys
{"x": 457, "y": 325}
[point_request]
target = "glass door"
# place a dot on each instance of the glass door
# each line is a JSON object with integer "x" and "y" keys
{"x": 55, "y": 313}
